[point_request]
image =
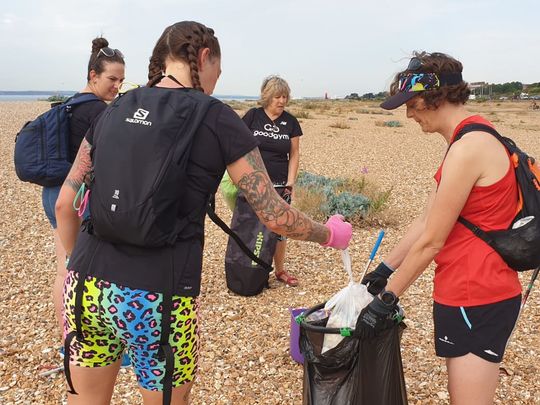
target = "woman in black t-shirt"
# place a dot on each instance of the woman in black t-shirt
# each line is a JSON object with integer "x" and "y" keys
{"x": 278, "y": 133}
{"x": 104, "y": 76}
{"x": 125, "y": 286}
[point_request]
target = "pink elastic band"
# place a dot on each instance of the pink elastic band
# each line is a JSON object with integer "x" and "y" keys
{"x": 84, "y": 203}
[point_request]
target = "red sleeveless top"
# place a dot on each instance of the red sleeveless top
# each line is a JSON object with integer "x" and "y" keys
{"x": 469, "y": 272}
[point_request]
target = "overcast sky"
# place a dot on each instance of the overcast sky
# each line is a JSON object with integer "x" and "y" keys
{"x": 318, "y": 46}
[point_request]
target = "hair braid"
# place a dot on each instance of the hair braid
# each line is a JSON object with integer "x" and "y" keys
{"x": 155, "y": 70}
{"x": 183, "y": 41}
{"x": 192, "y": 59}
{"x": 197, "y": 42}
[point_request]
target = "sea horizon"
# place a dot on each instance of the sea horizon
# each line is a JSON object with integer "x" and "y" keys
{"x": 38, "y": 95}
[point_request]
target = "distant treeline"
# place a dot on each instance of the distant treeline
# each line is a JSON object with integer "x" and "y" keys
{"x": 506, "y": 89}
{"x": 533, "y": 88}
{"x": 368, "y": 96}
{"x": 512, "y": 88}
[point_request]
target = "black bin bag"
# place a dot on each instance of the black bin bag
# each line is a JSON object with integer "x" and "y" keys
{"x": 355, "y": 372}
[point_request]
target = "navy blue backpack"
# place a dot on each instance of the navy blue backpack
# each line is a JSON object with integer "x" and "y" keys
{"x": 42, "y": 145}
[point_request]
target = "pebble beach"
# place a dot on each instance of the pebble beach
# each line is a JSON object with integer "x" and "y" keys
{"x": 244, "y": 353}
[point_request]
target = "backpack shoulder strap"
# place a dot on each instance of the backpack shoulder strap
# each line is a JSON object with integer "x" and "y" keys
{"x": 476, "y": 230}
{"x": 476, "y": 127}
{"x": 83, "y": 98}
{"x": 508, "y": 143}
{"x": 202, "y": 103}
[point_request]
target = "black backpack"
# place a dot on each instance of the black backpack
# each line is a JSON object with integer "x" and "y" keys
{"x": 140, "y": 151}
{"x": 42, "y": 145}
{"x": 519, "y": 246}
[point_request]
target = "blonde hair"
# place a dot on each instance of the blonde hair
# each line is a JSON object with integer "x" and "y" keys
{"x": 273, "y": 86}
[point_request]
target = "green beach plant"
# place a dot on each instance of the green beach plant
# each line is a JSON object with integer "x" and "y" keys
{"x": 57, "y": 99}
{"x": 357, "y": 199}
{"x": 391, "y": 124}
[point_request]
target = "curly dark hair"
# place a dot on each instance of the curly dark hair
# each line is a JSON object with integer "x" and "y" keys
{"x": 437, "y": 62}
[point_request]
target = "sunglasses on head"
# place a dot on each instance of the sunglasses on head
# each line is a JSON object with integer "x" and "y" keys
{"x": 110, "y": 52}
{"x": 414, "y": 64}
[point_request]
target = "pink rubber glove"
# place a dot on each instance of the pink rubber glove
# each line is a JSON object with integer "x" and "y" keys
{"x": 340, "y": 232}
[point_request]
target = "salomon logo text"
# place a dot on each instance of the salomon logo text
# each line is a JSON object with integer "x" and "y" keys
{"x": 140, "y": 118}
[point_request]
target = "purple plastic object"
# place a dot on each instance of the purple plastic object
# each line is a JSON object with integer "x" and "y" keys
{"x": 294, "y": 346}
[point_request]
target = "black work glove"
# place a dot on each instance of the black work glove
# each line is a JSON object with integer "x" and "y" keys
{"x": 377, "y": 279}
{"x": 375, "y": 318}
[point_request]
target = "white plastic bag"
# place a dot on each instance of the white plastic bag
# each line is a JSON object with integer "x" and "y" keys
{"x": 345, "y": 306}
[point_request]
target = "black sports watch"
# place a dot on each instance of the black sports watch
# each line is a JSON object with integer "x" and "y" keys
{"x": 389, "y": 298}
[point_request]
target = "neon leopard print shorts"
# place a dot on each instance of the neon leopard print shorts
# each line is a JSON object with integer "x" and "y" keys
{"x": 117, "y": 318}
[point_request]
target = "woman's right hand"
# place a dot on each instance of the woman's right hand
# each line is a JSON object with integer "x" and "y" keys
{"x": 249, "y": 174}
{"x": 340, "y": 232}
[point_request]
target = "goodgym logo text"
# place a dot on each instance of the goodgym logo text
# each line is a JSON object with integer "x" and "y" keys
{"x": 139, "y": 118}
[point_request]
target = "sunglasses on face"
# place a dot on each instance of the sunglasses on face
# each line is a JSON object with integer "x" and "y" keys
{"x": 110, "y": 52}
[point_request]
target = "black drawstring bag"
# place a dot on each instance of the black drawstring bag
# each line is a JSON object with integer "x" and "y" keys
{"x": 354, "y": 372}
{"x": 246, "y": 276}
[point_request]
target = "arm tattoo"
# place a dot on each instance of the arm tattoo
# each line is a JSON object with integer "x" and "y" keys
{"x": 81, "y": 167}
{"x": 272, "y": 209}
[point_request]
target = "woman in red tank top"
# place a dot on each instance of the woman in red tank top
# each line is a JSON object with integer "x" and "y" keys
{"x": 473, "y": 285}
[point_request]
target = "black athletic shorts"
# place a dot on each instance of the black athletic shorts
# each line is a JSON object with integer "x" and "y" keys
{"x": 483, "y": 330}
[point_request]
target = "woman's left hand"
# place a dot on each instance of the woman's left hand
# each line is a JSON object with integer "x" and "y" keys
{"x": 287, "y": 193}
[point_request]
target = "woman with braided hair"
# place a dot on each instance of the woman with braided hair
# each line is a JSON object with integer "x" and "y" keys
{"x": 123, "y": 286}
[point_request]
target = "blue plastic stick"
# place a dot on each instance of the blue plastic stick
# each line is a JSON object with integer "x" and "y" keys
{"x": 373, "y": 252}
{"x": 377, "y": 244}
